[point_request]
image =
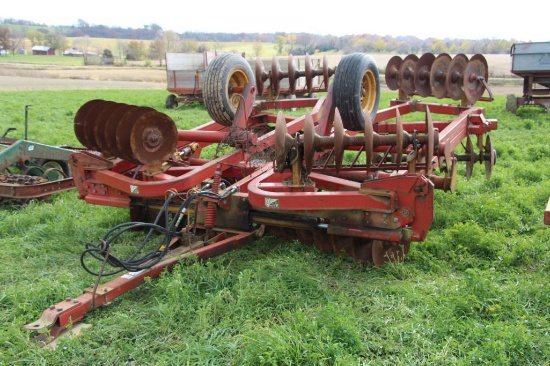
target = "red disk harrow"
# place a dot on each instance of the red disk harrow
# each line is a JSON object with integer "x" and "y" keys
{"x": 346, "y": 177}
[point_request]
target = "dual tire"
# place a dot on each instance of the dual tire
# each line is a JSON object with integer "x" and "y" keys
{"x": 356, "y": 88}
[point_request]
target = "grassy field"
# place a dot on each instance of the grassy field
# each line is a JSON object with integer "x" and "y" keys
{"x": 99, "y": 44}
{"x": 475, "y": 292}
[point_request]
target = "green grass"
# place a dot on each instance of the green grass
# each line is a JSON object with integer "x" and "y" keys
{"x": 475, "y": 292}
{"x": 43, "y": 60}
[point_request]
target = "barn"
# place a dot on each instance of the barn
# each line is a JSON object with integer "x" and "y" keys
{"x": 43, "y": 50}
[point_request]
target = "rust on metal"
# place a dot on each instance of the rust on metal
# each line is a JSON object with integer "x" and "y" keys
{"x": 406, "y": 74}
{"x": 366, "y": 194}
{"x": 476, "y": 75}
{"x": 80, "y": 120}
{"x": 422, "y": 74}
{"x": 438, "y": 75}
{"x": 392, "y": 72}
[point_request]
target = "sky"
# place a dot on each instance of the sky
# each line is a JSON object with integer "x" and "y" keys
{"x": 458, "y": 19}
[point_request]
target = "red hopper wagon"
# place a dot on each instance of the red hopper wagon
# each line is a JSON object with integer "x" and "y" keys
{"x": 346, "y": 177}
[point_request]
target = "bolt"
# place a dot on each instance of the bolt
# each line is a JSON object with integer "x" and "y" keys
{"x": 385, "y": 223}
{"x": 52, "y": 307}
{"x": 395, "y": 219}
{"x": 68, "y": 299}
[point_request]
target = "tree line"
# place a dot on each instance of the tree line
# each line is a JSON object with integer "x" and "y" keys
{"x": 13, "y": 32}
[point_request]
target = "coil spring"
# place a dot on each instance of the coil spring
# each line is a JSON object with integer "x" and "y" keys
{"x": 210, "y": 216}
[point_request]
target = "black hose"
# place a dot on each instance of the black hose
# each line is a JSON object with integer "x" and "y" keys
{"x": 139, "y": 261}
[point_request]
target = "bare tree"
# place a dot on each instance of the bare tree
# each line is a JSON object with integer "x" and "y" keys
{"x": 86, "y": 46}
{"x": 121, "y": 48}
{"x": 17, "y": 40}
{"x": 171, "y": 40}
{"x": 157, "y": 49}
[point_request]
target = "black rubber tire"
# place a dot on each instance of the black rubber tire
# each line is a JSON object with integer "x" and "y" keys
{"x": 222, "y": 74}
{"x": 356, "y": 86}
{"x": 171, "y": 102}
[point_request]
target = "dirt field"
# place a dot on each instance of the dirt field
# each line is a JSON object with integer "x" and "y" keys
{"x": 51, "y": 77}
{"x": 21, "y": 77}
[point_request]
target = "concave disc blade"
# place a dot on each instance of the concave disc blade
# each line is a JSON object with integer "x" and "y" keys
{"x": 309, "y": 74}
{"x": 490, "y": 157}
{"x": 322, "y": 241}
{"x": 362, "y": 251}
{"x": 305, "y": 236}
{"x": 153, "y": 138}
{"x": 259, "y": 72}
{"x": 102, "y": 125}
{"x": 422, "y": 74}
{"x": 369, "y": 141}
{"x": 292, "y": 74}
{"x": 108, "y": 142}
{"x": 338, "y": 140}
{"x": 280, "y": 138}
{"x": 406, "y": 74}
{"x": 391, "y": 73}
{"x": 124, "y": 132}
{"x": 275, "y": 77}
{"x": 453, "y": 174}
{"x": 342, "y": 245}
{"x": 326, "y": 75}
{"x": 385, "y": 251}
{"x": 454, "y": 77}
{"x": 475, "y": 69}
{"x": 80, "y": 118}
{"x": 90, "y": 120}
{"x": 309, "y": 142}
{"x": 438, "y": 75}
{"x": 101, "y": 122}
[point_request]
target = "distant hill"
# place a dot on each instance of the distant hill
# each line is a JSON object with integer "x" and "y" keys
{"x": 295, "y": 43}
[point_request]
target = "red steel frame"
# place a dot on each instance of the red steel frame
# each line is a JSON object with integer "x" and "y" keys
{"x": 391, "y": 208}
